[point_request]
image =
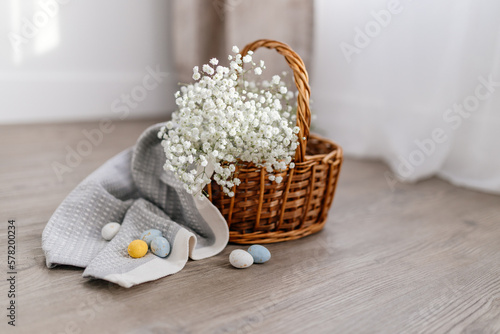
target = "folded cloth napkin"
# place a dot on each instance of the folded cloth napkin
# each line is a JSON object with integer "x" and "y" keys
{"x": 133, "y": 189}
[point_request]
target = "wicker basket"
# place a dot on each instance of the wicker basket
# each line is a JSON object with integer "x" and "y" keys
{"x": 262, "y": 211}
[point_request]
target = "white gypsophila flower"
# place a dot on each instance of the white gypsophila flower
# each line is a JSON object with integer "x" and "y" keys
{"x": 208, "y": 69}
{"x": 235, "y": 49}
{"x": 222, "y": 120}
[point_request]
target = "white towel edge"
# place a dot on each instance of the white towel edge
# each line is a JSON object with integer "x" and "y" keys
{"x": 217, "y": 223}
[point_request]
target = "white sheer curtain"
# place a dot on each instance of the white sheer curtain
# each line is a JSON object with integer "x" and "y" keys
{"x": 415, "y": 83}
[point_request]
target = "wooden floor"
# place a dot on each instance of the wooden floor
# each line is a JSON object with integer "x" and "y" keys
{"x": 422, "y": 258}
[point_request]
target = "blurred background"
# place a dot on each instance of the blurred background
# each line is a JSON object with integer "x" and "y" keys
{"x": 413, "y": 83}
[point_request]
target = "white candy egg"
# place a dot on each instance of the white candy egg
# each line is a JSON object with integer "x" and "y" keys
{"x": 240, "y": 258}
{"x": 109, "y": 230}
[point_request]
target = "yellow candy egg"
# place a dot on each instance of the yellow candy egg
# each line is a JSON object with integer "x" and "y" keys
{"x": 137, "y": 248}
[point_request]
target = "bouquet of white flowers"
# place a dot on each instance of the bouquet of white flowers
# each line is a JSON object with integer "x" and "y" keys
{"x": 223, "y": 119}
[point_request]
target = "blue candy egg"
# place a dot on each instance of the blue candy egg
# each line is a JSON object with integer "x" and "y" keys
{"x": 259, "y": 253}
{"x": 160, "y": 246}
{"x": 149, "y": 235}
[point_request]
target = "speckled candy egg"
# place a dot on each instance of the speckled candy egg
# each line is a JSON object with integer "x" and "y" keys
{"x": 149, "y": 235}
{"x": 137, "y": 248}
{"x": 109, "y": 230}
{"x": 240, "y": 258}
{"x": 259, "y": 253}
{"x": 160, "y": 246}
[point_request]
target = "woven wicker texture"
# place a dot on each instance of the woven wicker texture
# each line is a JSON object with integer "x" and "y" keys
{"x": 262, "y": 211}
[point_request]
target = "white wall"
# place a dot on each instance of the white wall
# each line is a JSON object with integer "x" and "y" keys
{"x": 63, "y": 60}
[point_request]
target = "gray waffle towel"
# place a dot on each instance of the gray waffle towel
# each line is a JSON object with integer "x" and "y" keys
{"x": 133, "y": 189}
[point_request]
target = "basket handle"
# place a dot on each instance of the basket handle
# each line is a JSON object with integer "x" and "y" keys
{"x": 301, "y": 81}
